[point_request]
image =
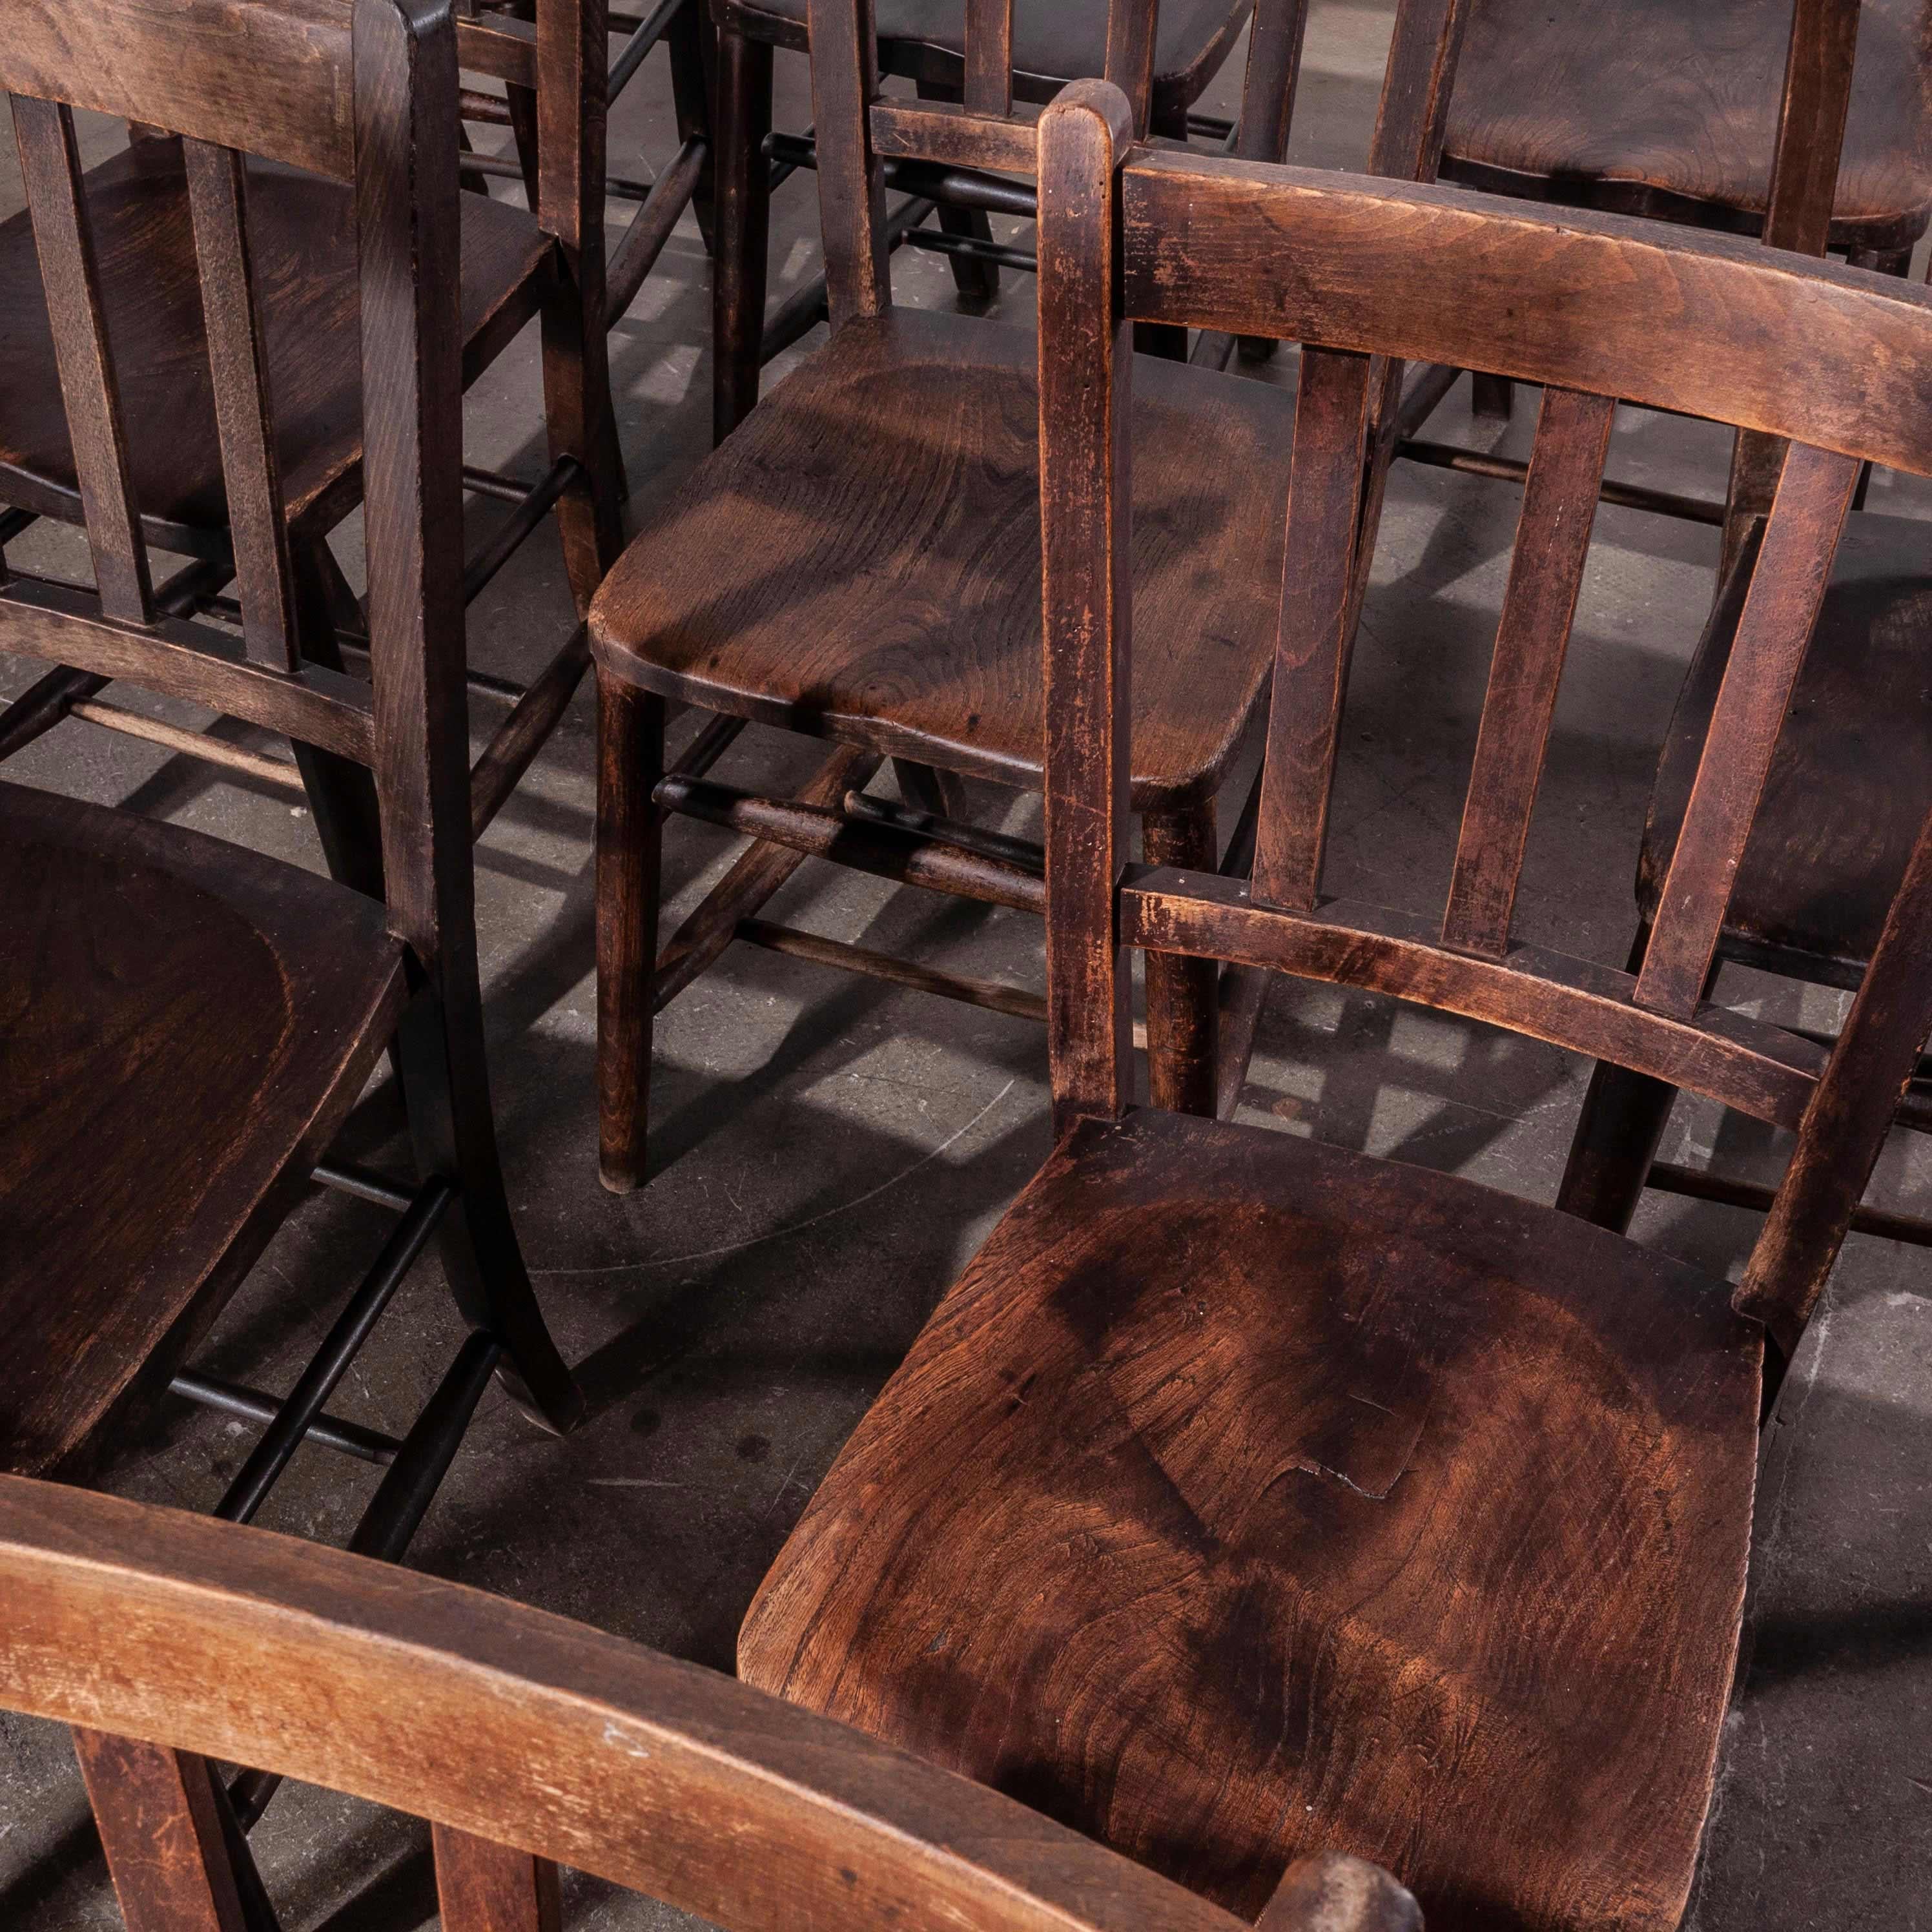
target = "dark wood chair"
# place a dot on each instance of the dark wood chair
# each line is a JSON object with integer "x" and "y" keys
{"x": 514, "y": 268}
{"x": 1250, "y": 1497}
{"x": 1052, "y": 42}
{"x": 526, "y": 1739}
{"x": 186, "y": 1024}
{"x": 860, "y": 561}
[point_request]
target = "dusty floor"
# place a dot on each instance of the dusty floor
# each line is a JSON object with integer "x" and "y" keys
{"x": 830, "y": 1152}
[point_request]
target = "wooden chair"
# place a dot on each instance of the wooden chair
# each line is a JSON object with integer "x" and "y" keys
{"x": 187, "y": 1023}
{"x": 1050, "y": 42}
{"x": 860, "y": 561}
{"x": 301, "y": 286}
{"x": 526, "y": 1739}
{"x": 1248, "y": 1497}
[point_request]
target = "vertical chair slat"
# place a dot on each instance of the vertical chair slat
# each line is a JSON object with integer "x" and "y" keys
{"x": 1413, "y": 114}
{"x": 1268, "y": 87}
{"x": 1814, "y": 493}
{"x": 481, "y": 1886}
{"x": 159, "y": 1827}
{"x": 989, "y": 56}
{"x": 851, "y": 183}
{"x": 1311, "y": 655}
{"x": 1085, "y": 557}
{"x": 1130, "y": 32}
{"x": 1559, "y": 506}
{"x": 50, "y": 166}
{"x": 1815, "y": 104}
{"x": 238, "y": 363}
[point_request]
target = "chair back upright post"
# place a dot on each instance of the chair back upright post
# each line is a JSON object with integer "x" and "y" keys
{"x": 1355, "y": 270}
{"x": 1812, "y": 114}
{"x": 377, "y": 107}
{"x": 856, "y": 132}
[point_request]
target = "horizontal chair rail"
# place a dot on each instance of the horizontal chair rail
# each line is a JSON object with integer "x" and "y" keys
{"x": 1758, "y": 1068}
{"x": 1360, "y": 264}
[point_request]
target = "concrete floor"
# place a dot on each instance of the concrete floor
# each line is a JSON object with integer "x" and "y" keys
{"x": 829, "y": 1153}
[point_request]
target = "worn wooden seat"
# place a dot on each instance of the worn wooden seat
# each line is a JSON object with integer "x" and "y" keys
{"x": 302, "y": 229}
{"x": 1286, "y": 1464}
{"x": 1053, "y": 41}
{"x": 182, "y": 1025}
{"x": 1655, "y": 108}
{"x": 1247, "y": 1496}
{"x": 525, "y": 1739}
{"x": 1851, "y": 781}
{"x": 861, "y": 561}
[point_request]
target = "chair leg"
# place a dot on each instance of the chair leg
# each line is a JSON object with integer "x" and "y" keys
{"x": 630, "y": 842}
{"x": 744, "y": 229}
{"x": 341, "y": 793}
{"x": 1618, "y": 1132}
{"x": 1183, "y": 994}
{"x": 445, "y": 1083}
{"x": 978, "y": 282}
{"x": 693, "y": 44}
{"x": 1491, "y": 398}
{"x": 578, "y": 416}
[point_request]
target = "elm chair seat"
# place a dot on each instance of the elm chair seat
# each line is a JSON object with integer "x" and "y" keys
{"x": 888, "y": 493}
{"x": 1187, "y": 1519}
{"x": 1654, "y": 107}
{"x": 302, "y": 233}
{"x": 183, "y": 1026}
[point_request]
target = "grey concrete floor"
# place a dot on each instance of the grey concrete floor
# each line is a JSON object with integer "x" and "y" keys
{"x": 830, "y": 1152}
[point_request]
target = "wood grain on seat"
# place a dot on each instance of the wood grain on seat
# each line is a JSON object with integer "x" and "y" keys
{"x": 1192, "y": 1518}
{"x": 302, "y": 231}
{"x": 1850, "y": 782}
{"x": 179, "y": 1020}
{"x": 1659, "y": 108}
{"x": 886, "y": 501}
{"x": 1053, "y": 40}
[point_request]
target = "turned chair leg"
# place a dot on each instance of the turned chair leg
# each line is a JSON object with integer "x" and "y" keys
{"x": 978, "y": 282}
{"x": 1183, "y": 994}
{"x": 1618, "y": 1133}
{"x": 744, "y": 193}
{"x": 630, "y": 843}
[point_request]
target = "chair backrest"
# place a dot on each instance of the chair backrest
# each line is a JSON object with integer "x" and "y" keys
{"x": 857, "y": 132}
{"x": 525, "y": 1739}
{"x": 364, "y": 92}
{"x": 1837, "y": 361}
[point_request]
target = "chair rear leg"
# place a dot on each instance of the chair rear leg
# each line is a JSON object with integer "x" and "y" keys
{"x": 744, "y": 190}
{"x": 630, "y": 844}
{"x": 693, "y": 44}
{"x": 341, "y": 793}
{"x": 1182, "y": 995}
{"x": 1491, "y": 398}
{"x": 978, "y": 282}
{"x": 1617, "y": 1136}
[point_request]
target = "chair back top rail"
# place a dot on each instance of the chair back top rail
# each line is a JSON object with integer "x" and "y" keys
{"x": 519, "y": 1733}
{"x": 1596, "y": 310}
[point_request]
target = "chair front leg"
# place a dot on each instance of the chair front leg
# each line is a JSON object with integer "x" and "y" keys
{"x": 630, "y": 844}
